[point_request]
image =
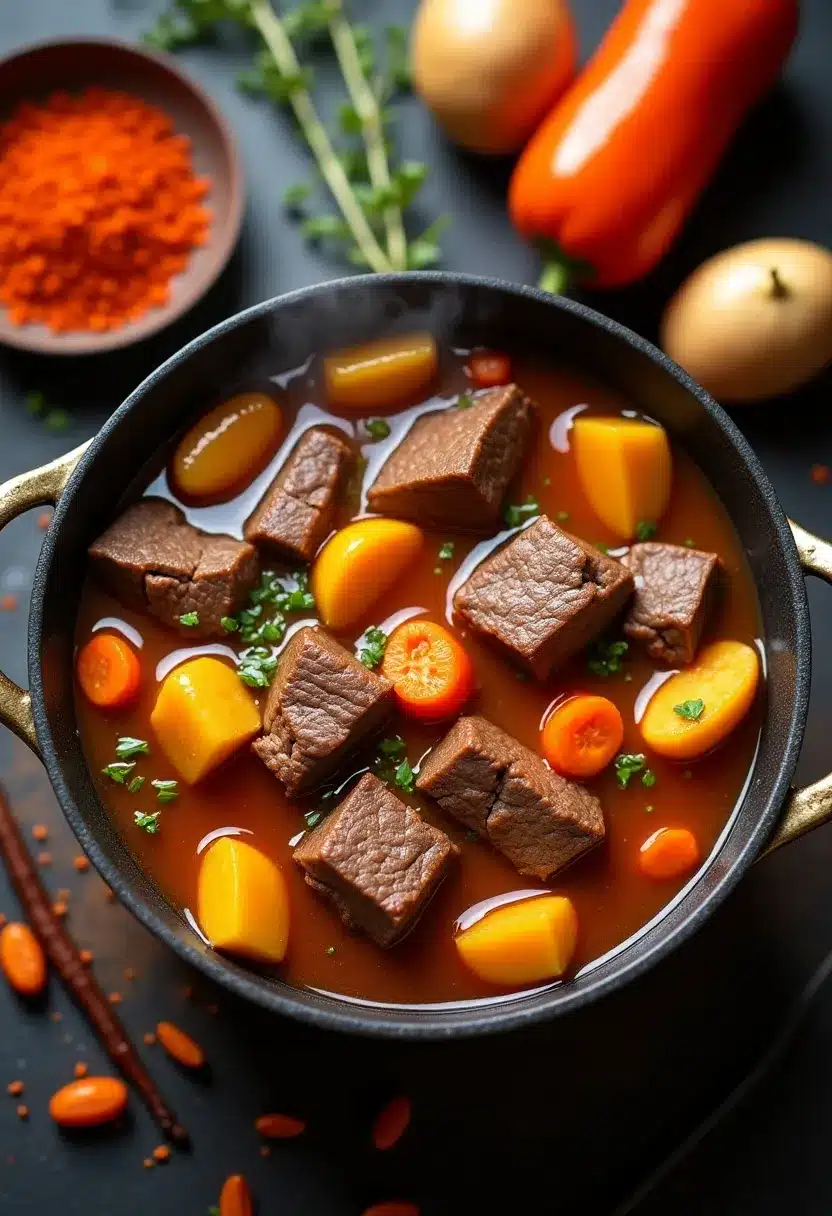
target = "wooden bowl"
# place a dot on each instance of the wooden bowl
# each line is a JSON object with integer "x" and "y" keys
{"x": 35, "y": 71}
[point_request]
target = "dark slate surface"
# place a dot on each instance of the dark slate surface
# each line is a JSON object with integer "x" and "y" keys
{"x": 706, "y": 1086}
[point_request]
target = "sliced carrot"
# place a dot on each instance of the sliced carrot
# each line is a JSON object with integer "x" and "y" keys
{"x": 668, "y": 853}
{"x": 185, "y": 1050}
{"x": 109, "y": 671}
{"x": 431, "y": 674}
{"x": 280, "y": 1127}
{"x": 698, "y": 707}
{"x": 489, "y": 368}
{"x": 582, "y": 736}
{"x": 235, "y": 1197}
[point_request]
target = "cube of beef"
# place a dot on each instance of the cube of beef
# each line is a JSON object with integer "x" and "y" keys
{"x": 376, "y": 860}
{"x": 321, "y": 704}
{"x": 453, "y": 467}
{"x": 296, "y": 514}
{"x": 543, "y": 596}
{"x": 675, "y": 592}
{"x": 151, "y": 558}
{"x": 493, "y": 784}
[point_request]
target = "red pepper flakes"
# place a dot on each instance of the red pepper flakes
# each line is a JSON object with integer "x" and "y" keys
{"x": 22, "y": 1111}
{"x": 148, "y": 1163}
{"x": 44, "y": 859}
{"x": 15, "y": 1088}
{"x": 81, "y": 863}
{"x": 44, "y": 520}
{"x": 149, "y": 1038}
{"x": 391, "y": 1123}
{"x": 280, "y": 1127}
{"x": 8, "y": 603}
{"x": 40, "y": 831}
{"x": 109, "y": 894}
{"x": 129, "y": 974}
{"x": 64, "y": 895}
{"x": 161, "y": 1153}
{"x": 821, "y": 474}
{"x": 114, "y": 998}
{"x": 56, "y": 1015}
{"x": 60, "y": 909}
{"x": 80, "y": 1070}
{"x": 86, "y": 957}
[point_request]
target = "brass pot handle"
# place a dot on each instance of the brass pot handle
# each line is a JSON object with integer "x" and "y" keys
{"x": 810, "y": 807}
{"x": 34, "y": 489}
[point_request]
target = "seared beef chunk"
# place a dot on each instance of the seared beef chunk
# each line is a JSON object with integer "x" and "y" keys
{"x": 376, "y": 860}
{"x": 296, "y": 514}
{"x": 322, "y": 703}
{"x": 543, "y": 596}
{"x": 493, "y": 784}
{"x": 452, "y": 469}
{"x": 152, "y": 558}
{"x": 675, "y": 591}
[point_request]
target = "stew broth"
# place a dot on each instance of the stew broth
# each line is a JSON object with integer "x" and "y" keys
{"x": 612, "y": 898}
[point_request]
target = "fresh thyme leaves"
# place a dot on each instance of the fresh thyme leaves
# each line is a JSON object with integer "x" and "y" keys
{"x": 229, "y": 624}
{"x": 404, "y": 776}
{"x": 136, "y": 784}
{"x": 645, "y": 529}
{"x": 357, "y": 165}
{"x": 446, "y": 551}
{"x": 190, "y": 619}
{"x": 150, "y": 823}
{"x": 372, "y": 646}
{"x": 313, "y": 818}
{"x": 377, "y": 428}
{"x": 627, "y": 765}
{"x": 127, "y": 746}
{"x": 605, "y": 658}
{"x": 118, "y": 771}
{"x": 517, "y": 514}
{"x": 392, "y": 748}
{"x": 692, "y": 710}
{"x": 166, "y": 791}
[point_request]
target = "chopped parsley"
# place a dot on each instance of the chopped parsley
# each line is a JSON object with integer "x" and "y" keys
{"x": 330, "y": 950}
{"x": 166, "y": 791}
{"x": 601, "y": 547}
{"x": 282, "y": 593}
{"x": 646, "y": 528}
{"x": 517, "y": 514}
{"x": 627, "y": 764}
{"x": 605, "y": 658}
{"x": 230, "y": 624}
{"x": 372, "y": 646}
{"x": 692, "y": 710}
{"x": 377, "y": 428}
{"x": 136, "y": 784}
{"x": 446, "y": 551}
{"x": 190, "y": 619}
{"x": 148, "y": 823}
{"x": 128, "y": 746}
{"x": 464, "y": 401}
{"x": 313, "y": 818}
{"x": 650, "y": 808}
{"x": 118, "y": 772}
{"x": 392, "y": 748}
{"x": 257, "y": 666}
{"x": 404, "y": 777}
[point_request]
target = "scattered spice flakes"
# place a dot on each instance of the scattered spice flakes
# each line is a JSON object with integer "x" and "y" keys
{"x": 22, "y": 1111}
{"x": 161, "y": 1153}
{"x": 129, "y": 974}
{"x": 391, "y": 1123}
{"x": 265, "y": 1150}
{"x": 40, "y": 832}
{"x": 148, "y": 1163}
{"x": 60, "y": 909}
{"x": 821, "y": 474}
{"x": 115, "y": 998}
{"x": 280, "y": 1127}
{"x": 86, "y": 957}
{"x": 56, "y": 1015}
{"x": 63, "y": 894}
{"x": 80, "y": 863}
{"x": 80, "y": 1070}
{"x": 149, "y": 1038}
{"x": 180, "y": 1046}
{"x": 15, "y": 1088}
{"x": 44, "y": 859}
{"x": 8, "y": 602}
{"x": 44, "y": 520}
{"x": 3, "y": 919}
{"x": 109, "y": 894}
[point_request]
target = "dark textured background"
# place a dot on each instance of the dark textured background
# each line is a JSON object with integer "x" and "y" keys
{"x": 590, "y": 1114}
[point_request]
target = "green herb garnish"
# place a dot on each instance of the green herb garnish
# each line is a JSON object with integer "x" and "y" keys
{"x": 518, "y": 514}
{"x": 602, "y": 548}
{"x": 149, "y": 823}
{"x": 230, "y": 624}
{"x": 296, "y": 195}
{"x": 692, "y": 710}
{"x": 391, "y": 748}
{"x": 313, "y": 818}
{"x": 35, "y": 403}
{"x": 562, "y": 517}
{"x": 57, "y": 420}
{"x": 404, "y": 776}
{"x": 118, "y": 772}
{"x": 626, "y": 765}
{"x": 464, "y": 401}
{"x": 127, "y": 746}
{"x": 330, "y": 950}
{"x": 648, "y": 778}
{"x": 377, "y": 428}
{"x": 190, "y": 619}
{"x": 257, "y": 666}
{"x": 605, "y": 658}
{"x": 136, "y": 784}
{"x": 446, "y": 551}
{"x": 688, "y": 543}
{"x": 650, "y": 809}
{"x": 646, "y": 528}
{"x": 166, "y": 791}
{"x": 372, "y": 647}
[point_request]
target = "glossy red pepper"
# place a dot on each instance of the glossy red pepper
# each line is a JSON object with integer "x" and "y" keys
{"x": 608, "y": 180}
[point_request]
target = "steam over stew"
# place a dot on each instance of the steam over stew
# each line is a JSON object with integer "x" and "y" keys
{"x": 434, "y": 704}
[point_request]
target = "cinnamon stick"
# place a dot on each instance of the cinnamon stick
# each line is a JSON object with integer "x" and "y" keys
{"x": 78, "y": 979}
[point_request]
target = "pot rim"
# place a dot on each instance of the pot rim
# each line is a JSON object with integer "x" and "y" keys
{"x": 434, "y": 1022}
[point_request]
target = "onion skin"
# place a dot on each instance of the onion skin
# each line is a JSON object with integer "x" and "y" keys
{"x": 755, "y": 321}
{"x": 490, "y": 70}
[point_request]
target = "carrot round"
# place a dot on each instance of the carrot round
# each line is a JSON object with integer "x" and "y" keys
{"x": 582, "y": 736}
{"x": 431, "y": 674}
{"x": 697, "y": 708}
{"x": 109, "y": 671}
{"x": 489, "y": 368}
{"x": 89, "y": 1102}
{"x": 668, "y": 853}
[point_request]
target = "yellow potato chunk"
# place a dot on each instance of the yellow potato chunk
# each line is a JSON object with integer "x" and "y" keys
{"x": 359, "y": 564}
{"x": 699, "y": 707}
{"x": 223, "y": 452}
{"x": 381, "y": 374}
{"x": 243, "y": 901}
{"x": 625, "y": 469}
{"x": 202, "y": 714}
{"x": 525, "y": 942}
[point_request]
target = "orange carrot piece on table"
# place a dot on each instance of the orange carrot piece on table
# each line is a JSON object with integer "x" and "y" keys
{"x": 88, "y": 1102}
{"x": 235, "y": 1197}
{"x": 180, "y": 1046}
{"x": 280, "y": 1127}
{"x": 582, "y": 735}
{"x": 22, "y": 959}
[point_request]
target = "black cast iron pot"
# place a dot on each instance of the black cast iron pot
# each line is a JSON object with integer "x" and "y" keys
{"x": 88, "y": 487}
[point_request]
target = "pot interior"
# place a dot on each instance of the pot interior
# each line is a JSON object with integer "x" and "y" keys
{"x": 279, "y": 335}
